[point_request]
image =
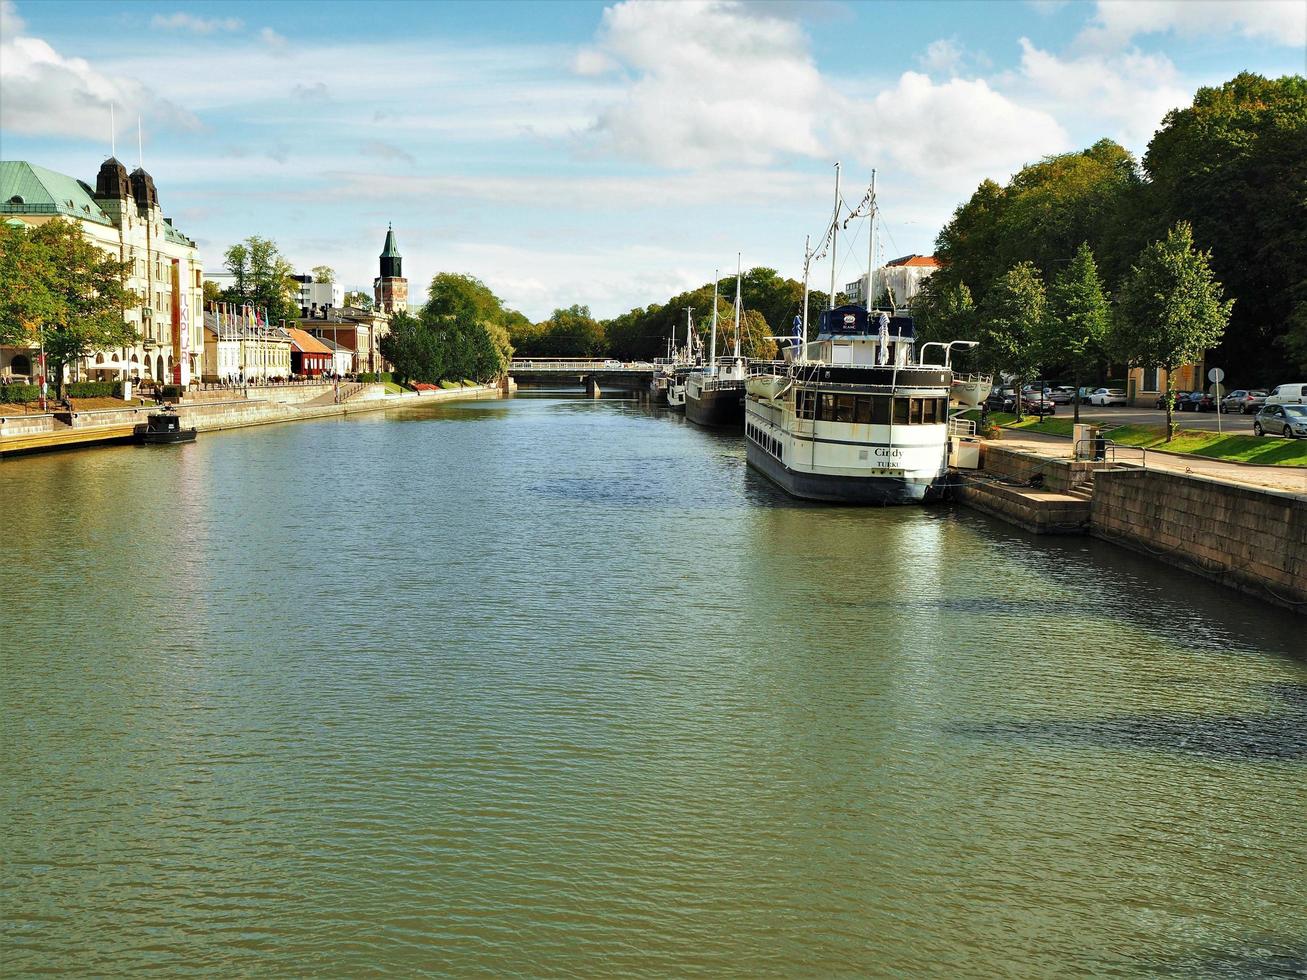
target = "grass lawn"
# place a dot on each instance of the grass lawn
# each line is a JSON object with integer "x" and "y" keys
{"x": 393, "y": 388}
{"x": 1198, "y": 442}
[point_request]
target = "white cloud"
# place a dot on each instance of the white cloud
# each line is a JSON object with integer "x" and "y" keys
{"x": 1280, "y": 21}
{"x": 1126, "y": 93}
{"x": 712, "y": 83}
{"x": 46, "y": 93}
{"x": 949, "y": 135}
{"x": 181, "y": 21}
{"x": 10, "y": 22}
{"x": 943, "y": 57}
{"x": 271, "y": 38}
{"x": 588, "y": 61}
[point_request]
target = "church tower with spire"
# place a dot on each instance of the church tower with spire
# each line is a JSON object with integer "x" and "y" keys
{"x": 391, "y": 288}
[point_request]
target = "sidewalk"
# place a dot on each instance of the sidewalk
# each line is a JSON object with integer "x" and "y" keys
{"x": 1293, "y": 479}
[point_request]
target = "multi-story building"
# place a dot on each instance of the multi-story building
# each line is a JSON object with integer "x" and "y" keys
{"x": 122, "y": 216}
{"x": 356, "y": 330}
{"x": 318, "y": 294}
{"x": 902, "y": 278}
{"x": 239, "y": 346}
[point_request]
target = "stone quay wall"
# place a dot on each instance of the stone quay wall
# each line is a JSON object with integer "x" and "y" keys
{"x": 1248, "y": 538}
{"x": 1059, "y": 474}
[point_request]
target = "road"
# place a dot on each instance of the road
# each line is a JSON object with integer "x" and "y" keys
{"x": 1157, "y": 417}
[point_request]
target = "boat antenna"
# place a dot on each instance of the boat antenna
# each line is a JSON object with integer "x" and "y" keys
{"x": 737, "y": 305}
{"x": 871, "y": 251}
{"x": 713, "y": 349}
{"x": 834, "y": 233}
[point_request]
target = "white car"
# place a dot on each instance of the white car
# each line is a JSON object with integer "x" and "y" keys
{"x": 1295, "y": 394}
{"x": 1108, "y": 396}
{"x": 610, "y": 363}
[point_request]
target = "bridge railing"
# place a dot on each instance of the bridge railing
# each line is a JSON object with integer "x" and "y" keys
{"x": 567, "y": 365}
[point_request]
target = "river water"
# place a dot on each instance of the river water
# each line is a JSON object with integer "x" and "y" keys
{"x": 552, "y": 686}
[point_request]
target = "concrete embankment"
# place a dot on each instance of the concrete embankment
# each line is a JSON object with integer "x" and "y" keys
{"x": 1251, "y": 538}
{"x": 215, "y": 411}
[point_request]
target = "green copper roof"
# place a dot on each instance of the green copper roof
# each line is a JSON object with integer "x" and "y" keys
{"x": 28, "y": 189}
{"x": 391, "y": 251}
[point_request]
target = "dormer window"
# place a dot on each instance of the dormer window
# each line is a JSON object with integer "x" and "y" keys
{"x": 17, "y": 199}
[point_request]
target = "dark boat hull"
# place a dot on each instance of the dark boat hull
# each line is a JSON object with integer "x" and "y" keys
{"x": 717, "y": 408}
{"x": 165, "y": 438}
{"x": 880, "y": 491}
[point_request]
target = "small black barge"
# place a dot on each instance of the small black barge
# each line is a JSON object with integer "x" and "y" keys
{"x": 164, "y": 427}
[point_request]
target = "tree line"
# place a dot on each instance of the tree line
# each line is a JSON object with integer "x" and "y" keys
{"x": 1091, "y": 259}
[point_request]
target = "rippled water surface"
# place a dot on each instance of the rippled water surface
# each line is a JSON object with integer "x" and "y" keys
{"x": 553, "y": 686}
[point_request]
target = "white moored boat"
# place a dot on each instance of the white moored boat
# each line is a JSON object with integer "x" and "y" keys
{"x": 969, "y": 390}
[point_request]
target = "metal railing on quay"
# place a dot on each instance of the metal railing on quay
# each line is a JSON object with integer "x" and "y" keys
{"x": 1106, "y": 451}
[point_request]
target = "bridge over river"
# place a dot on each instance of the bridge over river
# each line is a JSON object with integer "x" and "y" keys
{"x": 592, "y": 374}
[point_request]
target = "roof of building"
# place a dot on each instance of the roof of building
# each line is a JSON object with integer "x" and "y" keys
{"x": 306, "y": 343}
{"x": 391, "y": 251}
{"x": 927, "y": 261}
{"x": 28, "y": 189}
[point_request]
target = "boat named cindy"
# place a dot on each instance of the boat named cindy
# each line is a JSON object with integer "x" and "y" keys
{"x": 851, "y": 417}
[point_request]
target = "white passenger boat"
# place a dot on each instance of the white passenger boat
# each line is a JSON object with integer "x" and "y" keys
{"x": 854, "y": 416}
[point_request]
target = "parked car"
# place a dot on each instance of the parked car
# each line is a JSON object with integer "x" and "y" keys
{"x": 1063, "y": 395}
{"x": 1283, "y": 420}
{"x": 1108, "y": 396}
{"x": 1037, "y": 405}
{"x": 1243, "y": 401}
{"x": 1294, "y": 394}
{"x": 1199, "y": 401}
{"x": 1180, "y": 398}
{"x": 1001, "y": 400}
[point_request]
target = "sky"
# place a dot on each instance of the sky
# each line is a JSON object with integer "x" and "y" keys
{"x": 610, "y": 154}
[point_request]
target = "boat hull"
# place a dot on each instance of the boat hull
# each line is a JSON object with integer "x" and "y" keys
{"x": 717, "y": 408}
{"x": 879, "y": 491}
{"x": 166, "y": 438}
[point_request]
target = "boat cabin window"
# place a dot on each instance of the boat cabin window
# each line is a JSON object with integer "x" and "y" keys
{"x": 869, "y": 409}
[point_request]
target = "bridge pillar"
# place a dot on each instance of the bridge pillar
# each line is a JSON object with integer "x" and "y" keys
{"x": 592, "y": 386}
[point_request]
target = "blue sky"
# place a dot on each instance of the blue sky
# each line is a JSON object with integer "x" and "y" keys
{"x": 602, "y": 153}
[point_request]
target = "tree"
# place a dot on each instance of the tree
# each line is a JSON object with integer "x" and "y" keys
{"x": 358, "y": 299}
{"x": 571, "y": 332}
{"x": 1075, "y": 330}
{"x": 324, "y": 273}
{"x": 1170, "y": 310}
{"x": 66, "y": 289}
{"x": 1011, "y": 323}
{"x": 943, "y": 311}
{"x": 212, "y": 292}
{"x": 261, "y": 277}
{"x": 457, "y": 335}
{"x": 1234, "y": 164}
{"x": 26, "y": 300}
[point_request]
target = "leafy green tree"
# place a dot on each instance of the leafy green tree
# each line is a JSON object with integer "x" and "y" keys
{"x": 78, "y": 298}
{"x": 410, "y": 348}
{"x": 27, "y": 302}
{"x": 358, "y": 299}
{"x": 571, "y": 332}
{"x": 943, "y": 311}
{"x": 1234, "y": 165}
{"x": 212, "y": 292}
{"x": 1074, "y": 332}
{"x": 261, "y": 277}
{"x": 1011, "y": 319}
{"x": 755, "y": 336}
{"x": 324, "y": 273}
{"x": 1170, "y": 310}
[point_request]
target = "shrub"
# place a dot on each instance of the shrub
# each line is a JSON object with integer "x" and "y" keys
{"x": 94, "y": 389}
{"x": 372, "y": 377}
{"x": 16, "y": 394}
{"x": 171, "y": 391}
{"x": 450, "y": 384}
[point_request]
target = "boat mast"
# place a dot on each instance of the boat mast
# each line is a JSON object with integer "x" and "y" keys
{"x": 871, "y": 250}
{"x": 689, "y": 342}
{"x": 737, "y": 306}
{"x": 807, "y": 260}
{"x": 713, "y": 348}
{"x": 834, "y": 232}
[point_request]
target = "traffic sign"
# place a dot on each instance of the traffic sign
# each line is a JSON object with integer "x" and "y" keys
{"x": 1215, "y": 375}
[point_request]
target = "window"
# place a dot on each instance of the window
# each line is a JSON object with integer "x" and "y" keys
{"x": 844, "y": 407}
{"x": 880, "y": 409}
{"x": 1150, "y": 379}
{"x": 900, "y": 411}
{"x": 826, "y": 410}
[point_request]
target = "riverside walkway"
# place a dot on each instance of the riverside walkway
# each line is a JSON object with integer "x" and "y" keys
{"x": 1291, "y": 478}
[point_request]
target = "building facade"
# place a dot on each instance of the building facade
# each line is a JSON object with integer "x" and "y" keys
{"x": 329, "y": 295}
{"x": 390, "y": 289}
{"x": 242, "y": 348}
{"x": 356, "y": 330}
{"x": 901, "y": 278}
{"x": 121, "y": 215}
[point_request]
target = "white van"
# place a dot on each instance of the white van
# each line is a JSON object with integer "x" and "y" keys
{"x": 1288, "y": 395}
